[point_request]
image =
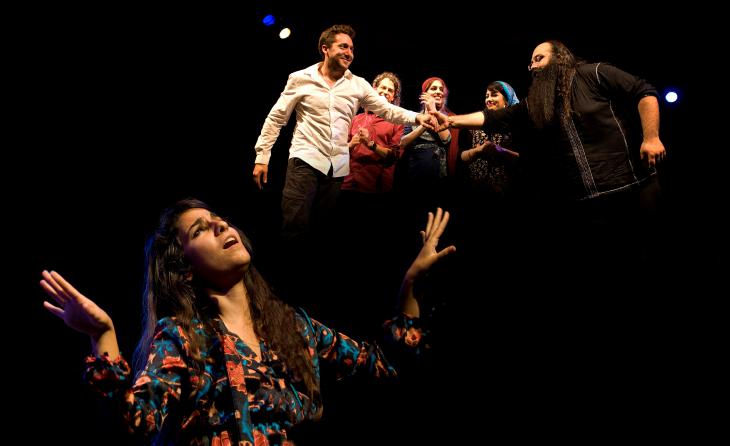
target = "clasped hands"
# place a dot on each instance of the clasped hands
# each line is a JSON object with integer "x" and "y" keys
{"x": 434, "y": 120}
{"x": 361, "y": 137}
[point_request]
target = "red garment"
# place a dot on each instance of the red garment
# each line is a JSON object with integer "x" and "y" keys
{"x": 370, "y": 172}
{"x": 452, "y": 156}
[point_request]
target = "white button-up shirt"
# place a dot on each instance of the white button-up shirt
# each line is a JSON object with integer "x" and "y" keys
{"x": 324, "y": 116}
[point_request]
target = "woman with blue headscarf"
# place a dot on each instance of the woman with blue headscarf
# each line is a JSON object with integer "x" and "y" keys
{"x": 488, "y": 199}
{"x": 490, "y": 158}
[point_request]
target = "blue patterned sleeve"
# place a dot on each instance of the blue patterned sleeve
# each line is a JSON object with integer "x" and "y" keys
{"x": 348, "y": 356}
{"x": 404, "y": 333}
{"x": 156, "y": 391}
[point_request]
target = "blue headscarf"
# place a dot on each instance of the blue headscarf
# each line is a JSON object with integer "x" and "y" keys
{"x": 508, "y": 93}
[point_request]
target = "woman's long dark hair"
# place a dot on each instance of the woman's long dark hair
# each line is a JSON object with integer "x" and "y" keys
{"x": 169, "y": 293}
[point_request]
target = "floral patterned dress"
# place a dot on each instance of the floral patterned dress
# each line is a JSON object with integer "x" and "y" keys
{"x": 489, "y": 174}
{"x": 236, "y": 398}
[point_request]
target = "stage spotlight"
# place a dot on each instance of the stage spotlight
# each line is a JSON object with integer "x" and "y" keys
{"x": 671, "y": 97}
{"x": 284, "y": 33}
{"x": 269, "y": 20}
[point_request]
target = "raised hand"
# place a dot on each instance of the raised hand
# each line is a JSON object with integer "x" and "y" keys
{"x": 429, "y": 255}
{"x": 428, "y": 102}
{"x": 76, "y": 310}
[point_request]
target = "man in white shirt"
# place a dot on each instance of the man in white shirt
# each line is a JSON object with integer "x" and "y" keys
{"x": 326, "y": 97}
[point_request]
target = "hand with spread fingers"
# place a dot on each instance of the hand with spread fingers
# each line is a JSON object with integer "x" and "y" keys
{"x": 80, "y": 313}
{"x": 427, "y": 257}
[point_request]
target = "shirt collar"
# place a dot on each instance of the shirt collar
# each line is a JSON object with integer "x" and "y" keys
{"x": 313, "y": 70}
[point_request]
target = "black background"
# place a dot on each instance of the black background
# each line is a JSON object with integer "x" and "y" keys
{"x": 123, "y": 111}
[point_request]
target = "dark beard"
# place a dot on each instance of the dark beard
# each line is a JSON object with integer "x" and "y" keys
{"x": 542, "y": 95}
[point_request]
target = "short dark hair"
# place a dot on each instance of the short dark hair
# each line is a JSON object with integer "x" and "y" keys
{"x": 328, "y": 35}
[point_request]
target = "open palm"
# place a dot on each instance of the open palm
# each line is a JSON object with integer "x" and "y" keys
{"x": 429, "y": 252}
{"x": 76, "y": 310}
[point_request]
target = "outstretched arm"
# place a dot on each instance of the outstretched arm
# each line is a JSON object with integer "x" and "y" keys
{"x": 471, "y": 121}
{"x": 80, "y": 313}
{"x": 425, "y": 260}
{"x": 652, "y": 149}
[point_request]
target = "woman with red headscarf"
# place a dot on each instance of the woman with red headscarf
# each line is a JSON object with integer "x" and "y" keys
{"x": 428, "y": 156}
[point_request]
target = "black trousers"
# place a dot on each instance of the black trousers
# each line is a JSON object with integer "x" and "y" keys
{"x": 309, "y": 196}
